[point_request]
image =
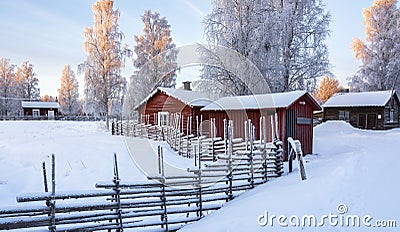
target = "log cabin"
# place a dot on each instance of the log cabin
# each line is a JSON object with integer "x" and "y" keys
{"x": 378, "y": 110}
{"x": 159, "y": 107}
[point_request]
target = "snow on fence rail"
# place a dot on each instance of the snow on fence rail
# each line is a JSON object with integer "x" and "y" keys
{"x": 163, "y": 203}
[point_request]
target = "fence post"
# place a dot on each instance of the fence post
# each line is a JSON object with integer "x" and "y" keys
{"x": 46, "y": 188}
{"x": 230, "y": 150}
{"x": 117, "y": 194}
{"x": 251, "y": 127}
{"x": 52, "y": 226}
{"x": 164, "y": 216}
{"x": 200, "y": 204}
{"x": 213, "y": 135}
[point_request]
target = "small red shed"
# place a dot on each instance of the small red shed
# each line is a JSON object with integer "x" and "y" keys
{"x": 162, "y": 103}
{"x": 293, "y": 111}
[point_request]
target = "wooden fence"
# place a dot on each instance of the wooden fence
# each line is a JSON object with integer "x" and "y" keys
{"x": 163, "y": 203}
{"x": 188, "y": 144}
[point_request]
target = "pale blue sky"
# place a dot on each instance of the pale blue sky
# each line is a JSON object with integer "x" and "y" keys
{"x": 49, "y": 33}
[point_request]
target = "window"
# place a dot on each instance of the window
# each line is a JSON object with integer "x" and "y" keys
{"x": 344, "y": 115}
{"x": 163, "y": 118}
{"x": 35, "y": 113}
{"x": 391, "y": 115}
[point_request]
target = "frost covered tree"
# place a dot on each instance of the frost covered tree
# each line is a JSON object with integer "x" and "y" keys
{"x": 285, "y": 39}
{"x": 304, "y": 27}
{"x": 105, "y": 58}
{"x": 235, "y": 25}
{"x": 155, "y": 55}
{"x": 7, "y": 87}
{"x": 68, "y": 93}
{"x": 327, "y": 88}
{"x": 27, "y": 82}
{"x": 47, "y": 98}
{"x": 380, "y": 52}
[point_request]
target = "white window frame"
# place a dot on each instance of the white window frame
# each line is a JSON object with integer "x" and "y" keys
{"x": 35, "y": 113}
{"x": 344, "y": 115}
{"x": 163, "y": 118}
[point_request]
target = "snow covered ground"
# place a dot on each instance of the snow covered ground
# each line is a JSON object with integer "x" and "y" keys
{"x": 84, "y": 155}
{"x": 354, "y": 169}
{"x": 357, "y": 168}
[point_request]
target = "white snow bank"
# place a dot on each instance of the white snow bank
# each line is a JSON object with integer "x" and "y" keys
{"x": 358, "y": 168}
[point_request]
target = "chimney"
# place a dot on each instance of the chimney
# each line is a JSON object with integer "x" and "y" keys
{"x": 186, "y": 85}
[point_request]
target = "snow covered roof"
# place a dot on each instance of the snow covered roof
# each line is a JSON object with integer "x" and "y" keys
{"x": 40, "y": 105}
{"x": 377, "y": 98}
{"x": 262, "y": 101}
{"x": 190, "y": 98}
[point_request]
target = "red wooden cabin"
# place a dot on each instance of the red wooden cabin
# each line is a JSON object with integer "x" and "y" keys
{"x": 292, "y": 110}
{"x": 162, "y": 103}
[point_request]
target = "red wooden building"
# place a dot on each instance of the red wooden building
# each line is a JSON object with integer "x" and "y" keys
{"x": 37, "y": 109}
{"x": 292, "y": 110}
{"x": 162, "y": 103}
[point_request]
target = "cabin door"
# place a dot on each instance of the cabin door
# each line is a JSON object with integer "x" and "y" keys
{"x": 367, "y": 121}
{"x": 290, "y": 125}
{"x": 50, "y": 114}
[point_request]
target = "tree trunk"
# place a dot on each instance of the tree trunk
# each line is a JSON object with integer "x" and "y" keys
{"x": 107, "y": 121}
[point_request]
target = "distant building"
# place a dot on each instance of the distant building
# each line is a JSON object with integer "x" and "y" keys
{"x": 366, "y": 110}
{"x": 40, "y": 109}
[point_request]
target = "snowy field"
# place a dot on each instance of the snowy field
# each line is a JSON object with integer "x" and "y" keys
{"x": 84, "y": 155}
{"x": 357, "y": 168}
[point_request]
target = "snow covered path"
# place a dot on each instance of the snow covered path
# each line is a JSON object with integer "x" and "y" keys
{"x": 144, "y": 153}
{"x": 353, "y": 167}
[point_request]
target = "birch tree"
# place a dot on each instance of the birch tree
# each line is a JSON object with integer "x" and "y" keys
{"x": 105, "y": 58}
{"x": 380, "y": 52}
{"x": 155, "y": 55}
{"x": 68, "y": 93}
{"x": 27, "y": 82}
{"x": 284, "y": 39}
{"x": 327, "y": 88}
{"x": 7, "y": 87}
